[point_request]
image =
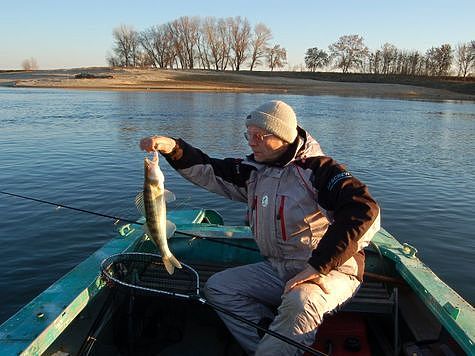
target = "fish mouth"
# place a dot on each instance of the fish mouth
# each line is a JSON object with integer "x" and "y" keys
{"x": 151, "y": 162}
{"x": 152, "y": 170}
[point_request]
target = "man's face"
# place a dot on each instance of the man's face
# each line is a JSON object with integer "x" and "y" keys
{"x": 265, "y": 146}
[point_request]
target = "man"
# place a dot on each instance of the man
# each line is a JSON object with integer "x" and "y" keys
{"x": 310, "y": 218}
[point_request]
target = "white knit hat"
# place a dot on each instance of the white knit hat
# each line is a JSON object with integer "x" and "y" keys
{"x": 277, "y": 118}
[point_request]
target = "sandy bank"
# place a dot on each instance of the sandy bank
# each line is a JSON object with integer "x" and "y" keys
{"x": 210, "y": 81}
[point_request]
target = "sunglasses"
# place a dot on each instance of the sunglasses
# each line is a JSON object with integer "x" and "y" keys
{"x": 255, "y": 136}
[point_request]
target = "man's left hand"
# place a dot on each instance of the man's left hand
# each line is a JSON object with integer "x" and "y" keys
{"x": 308, "y": 274}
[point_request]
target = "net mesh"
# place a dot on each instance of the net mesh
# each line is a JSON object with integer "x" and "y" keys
{"x": 145, "y": 274}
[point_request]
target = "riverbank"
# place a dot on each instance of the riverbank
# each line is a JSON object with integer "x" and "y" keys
{"x": 303, "y": 83}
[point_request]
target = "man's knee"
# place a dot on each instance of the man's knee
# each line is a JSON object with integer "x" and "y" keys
{"x": 212, "y": 287}
{"x": 305, "y": 300}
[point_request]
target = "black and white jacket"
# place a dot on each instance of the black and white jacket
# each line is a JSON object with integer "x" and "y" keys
{"x": 304, "y": 208}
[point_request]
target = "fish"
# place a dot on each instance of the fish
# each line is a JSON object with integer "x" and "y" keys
{"x": 151, "y": 203}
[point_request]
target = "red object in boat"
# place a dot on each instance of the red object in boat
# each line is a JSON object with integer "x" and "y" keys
{"x": 343, "y": 334}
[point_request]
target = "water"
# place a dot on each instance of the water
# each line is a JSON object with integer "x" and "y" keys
{"x": 80, "y": 148}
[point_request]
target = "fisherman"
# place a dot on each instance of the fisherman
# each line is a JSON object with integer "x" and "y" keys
{"x": 310, "y": 218}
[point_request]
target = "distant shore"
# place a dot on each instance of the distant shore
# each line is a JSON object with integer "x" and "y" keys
{"x": 303, "y": 83}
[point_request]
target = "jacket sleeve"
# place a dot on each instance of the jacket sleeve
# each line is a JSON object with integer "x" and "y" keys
{"x": 226, "y": 177}
{"x": 355, "y": 215}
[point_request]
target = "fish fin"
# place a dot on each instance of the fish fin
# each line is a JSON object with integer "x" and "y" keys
{"x": 171, "y": 228}
{"x": 139, "y": 203}
{"x": 169, "y": 196}
{"x": 147, "y": 235}
{"x": 170, "y": 263}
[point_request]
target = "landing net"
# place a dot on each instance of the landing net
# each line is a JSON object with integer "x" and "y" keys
{"x": 145, "y": 274}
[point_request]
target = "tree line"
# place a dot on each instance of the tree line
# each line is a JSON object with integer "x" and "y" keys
{"x": 350, "y": 53}
{"x": 194, "y": 42}
{"x": 232, "y": 43}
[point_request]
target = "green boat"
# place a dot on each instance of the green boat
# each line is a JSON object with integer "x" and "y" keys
{"x": 403, "y": 308}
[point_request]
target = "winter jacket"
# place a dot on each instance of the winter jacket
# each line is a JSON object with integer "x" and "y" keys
{"x": 303, "y": 208}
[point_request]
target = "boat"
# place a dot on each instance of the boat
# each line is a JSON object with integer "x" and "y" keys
{"x": 402, "y": 308}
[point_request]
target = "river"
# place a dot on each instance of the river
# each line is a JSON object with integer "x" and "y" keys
{"x": 80, "y": 148}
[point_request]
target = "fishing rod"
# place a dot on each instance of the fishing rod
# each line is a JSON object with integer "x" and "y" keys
{"x": 118, "y": 218}
{"x": 374, "y": 276}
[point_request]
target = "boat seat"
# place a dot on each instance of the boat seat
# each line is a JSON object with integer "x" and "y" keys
{"x": 372, "y": 297}
{"x": 376, "y": 298}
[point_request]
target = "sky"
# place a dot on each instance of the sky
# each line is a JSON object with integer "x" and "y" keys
{"x": 73, "y": 34}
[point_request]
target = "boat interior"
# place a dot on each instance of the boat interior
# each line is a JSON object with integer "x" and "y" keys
{"x": 385, "y": 317}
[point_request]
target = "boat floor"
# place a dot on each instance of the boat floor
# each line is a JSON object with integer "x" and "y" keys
{"x": 165, "y": 327}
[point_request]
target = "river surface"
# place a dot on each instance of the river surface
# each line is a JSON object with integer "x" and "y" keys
{"x": 80, "y": 148}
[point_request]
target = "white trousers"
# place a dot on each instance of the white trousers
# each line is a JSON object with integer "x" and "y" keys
{"x": 254, "y": 291}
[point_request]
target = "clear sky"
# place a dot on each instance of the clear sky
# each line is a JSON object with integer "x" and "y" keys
{"x": 70, "y": 34}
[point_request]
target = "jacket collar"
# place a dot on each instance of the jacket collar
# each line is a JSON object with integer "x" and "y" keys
{"x": 303, "y": 147}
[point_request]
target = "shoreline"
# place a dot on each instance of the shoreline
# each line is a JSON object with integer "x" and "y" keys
{"x": 298, "y": 83}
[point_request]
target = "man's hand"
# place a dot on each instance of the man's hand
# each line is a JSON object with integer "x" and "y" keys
{"x": 308, "y": 274}
{"x": 157, "y": 143}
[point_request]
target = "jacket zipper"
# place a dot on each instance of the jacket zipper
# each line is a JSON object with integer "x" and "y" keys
{"x": 254, "y": 208}
{"x": 281, "y": 218}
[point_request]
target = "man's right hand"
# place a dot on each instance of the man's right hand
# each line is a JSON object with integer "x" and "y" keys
{"x": 157, "y": 143}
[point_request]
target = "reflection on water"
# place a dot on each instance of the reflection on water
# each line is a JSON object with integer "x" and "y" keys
{"x": 81, "y": 148}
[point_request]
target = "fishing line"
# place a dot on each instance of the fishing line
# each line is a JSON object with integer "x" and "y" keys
{"x": 72, "y": 208}
{"x": 118, "y": 218}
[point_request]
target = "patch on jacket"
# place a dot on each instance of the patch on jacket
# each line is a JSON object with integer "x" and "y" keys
{"x": 265, "y": 201}
{"x": 339, "y": 177}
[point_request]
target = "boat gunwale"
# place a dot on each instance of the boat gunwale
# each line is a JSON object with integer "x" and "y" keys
{"x": 439, "y": 297}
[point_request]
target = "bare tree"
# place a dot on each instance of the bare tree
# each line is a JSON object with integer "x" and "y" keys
{"x": 439, "y": 60}
{"x": 147, "y": 40}
{"x": 112, "y": 60}
{"x": 259, "y": 44}
{"x": 190, "y": 27}
{"x": 375, "y": 60}
{"x": 210, "y": 42}
{"x": 157, "y": 44}
{"x": 431, "y": 61}
{"x": 240, "y": 37}
{"x": 415, "y": 63}
{"x": 465, "y": 57}
{"x": 203, "y": 51}
{"x": 405, "y": 62}
{"x": 184, "y": 32}
{"x": 349, "y": 52}
{"x": 173, "y": 28}
{"x": 126, "y": 46}
{"x": 445, "y": 59}
{"x": 224, "y": 39}
{"x": 164, "y": 44}
{"x": 316, "y": 58}
{"x": 276, "y": 57}
{"x": 389, "y": 54}
{"x": 30, "y": 64}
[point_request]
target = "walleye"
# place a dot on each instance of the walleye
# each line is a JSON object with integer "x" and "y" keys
{"x": 152, "y": 204}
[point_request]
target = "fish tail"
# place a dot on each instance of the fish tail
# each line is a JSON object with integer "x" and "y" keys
{"x": 170, "y": 263}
